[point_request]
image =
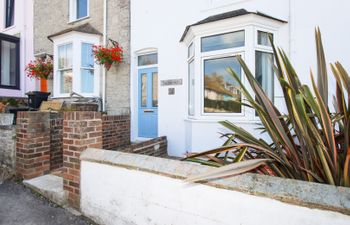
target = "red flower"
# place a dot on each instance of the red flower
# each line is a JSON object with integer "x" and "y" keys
{"x": 39, "y": 69}
{"x": 107, "y": 56}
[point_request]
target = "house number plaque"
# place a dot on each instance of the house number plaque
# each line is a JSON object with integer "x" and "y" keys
{"x": 171, "y": 82}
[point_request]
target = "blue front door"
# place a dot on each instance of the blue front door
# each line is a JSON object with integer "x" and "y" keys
{"x": 148, "y": 102}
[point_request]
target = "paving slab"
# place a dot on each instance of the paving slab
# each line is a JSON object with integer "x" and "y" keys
{"x": 50, "y": 186}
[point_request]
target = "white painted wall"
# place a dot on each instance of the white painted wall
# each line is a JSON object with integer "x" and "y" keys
{"x": 23, "y": 28}
{"x": 159, "y": 24}
{"x": 125, "y": 196}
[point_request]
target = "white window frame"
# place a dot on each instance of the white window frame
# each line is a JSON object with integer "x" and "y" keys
{"x": 263, "y": 48}
{"x": 147, "y": 66}
{"x": 266, "y": 49}
{"x": 219, "y": 55}
{"x": 77, "y": 39}
{"x": 73, "y": 11}
{"x": 191, "y": 59}
{"x": 58, "y": 71}
{"x": 250, "y": 24}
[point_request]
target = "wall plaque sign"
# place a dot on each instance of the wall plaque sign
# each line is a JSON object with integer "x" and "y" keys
{"x": 171, "y": 82}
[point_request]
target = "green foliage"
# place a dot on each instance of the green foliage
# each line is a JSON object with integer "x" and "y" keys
{"x": 12, "y": 102}
{"x": 308, "y": 143}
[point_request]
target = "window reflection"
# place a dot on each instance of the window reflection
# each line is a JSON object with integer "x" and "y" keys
{"x": 263, "y": 38}
{"x": 66, "y": 81}
{"x": 155, "y": 89}
{"x": 264, "y": 72}
{"x": 221, "y": 91}
{"x": 149, "y": 59}
{"x": 82, "y": 8}
{"x": 144, "y": 90}
{"x": 223, "y": 41}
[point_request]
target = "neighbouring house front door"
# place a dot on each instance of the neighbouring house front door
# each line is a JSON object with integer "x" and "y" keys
{"x": 148, "y": 102}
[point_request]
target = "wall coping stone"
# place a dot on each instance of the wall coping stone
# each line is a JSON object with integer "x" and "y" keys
{"x": 312, "y": 195}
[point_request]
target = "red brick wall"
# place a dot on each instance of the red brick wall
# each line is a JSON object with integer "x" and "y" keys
{"x": 56, "y": 140}
{"x": 116, "y": 131}
{"x": 154, "y": 147}
{"x": 81, "y": 130}
{"x": 32, "y": 144}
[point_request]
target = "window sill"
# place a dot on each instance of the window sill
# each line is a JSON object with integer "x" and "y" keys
{"x": 78, "y": 20}
{"x": 216, "y": 120}
{"x": 10, "y": 88}
{"x": 8, "y": 28}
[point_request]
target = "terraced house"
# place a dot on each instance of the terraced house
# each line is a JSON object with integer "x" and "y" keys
{"x": 67, "y": 31}
{"x": 16, "y": 41}
{"x": 173, "y": 81}
{"x": 139, "y": 91}
{"x": 187, "y": 46}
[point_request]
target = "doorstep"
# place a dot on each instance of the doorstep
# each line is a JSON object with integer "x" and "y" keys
{"x": 50, "y": 186}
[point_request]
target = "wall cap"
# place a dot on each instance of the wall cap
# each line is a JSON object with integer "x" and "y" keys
{"x": 312, "y": 195}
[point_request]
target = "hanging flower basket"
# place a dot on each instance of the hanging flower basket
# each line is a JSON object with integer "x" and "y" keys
{"x": 40, "y": 69}
{"x": 108, "y": 55}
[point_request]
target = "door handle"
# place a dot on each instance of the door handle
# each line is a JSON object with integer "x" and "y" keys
{"x": 148, "y": 111}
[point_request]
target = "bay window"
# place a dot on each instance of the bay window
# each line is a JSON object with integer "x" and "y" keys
{"x": 75, "y": 67}
{"x": 213, "y": 93}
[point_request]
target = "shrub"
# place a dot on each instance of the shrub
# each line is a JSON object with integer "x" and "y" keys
{"x": 308, "y": 143}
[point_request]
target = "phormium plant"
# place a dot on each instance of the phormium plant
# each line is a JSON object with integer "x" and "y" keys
{"x": 310, "y": 142}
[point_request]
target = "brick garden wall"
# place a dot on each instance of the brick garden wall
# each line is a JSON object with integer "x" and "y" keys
{"x": 116, "y": 131}
{"x": 154, "y": 147}
{"x": 81, "y": 130}
{"x": 32, "y": 144}
{"x": 56, "y": 140}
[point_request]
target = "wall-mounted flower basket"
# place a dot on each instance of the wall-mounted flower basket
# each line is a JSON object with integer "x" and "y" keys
{"x": 40, "y": 69}
{"x": 108, "y": 55}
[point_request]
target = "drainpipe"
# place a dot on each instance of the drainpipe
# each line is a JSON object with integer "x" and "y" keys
{"x": 291, "y": 30}
{"x": 104, "y": 43}
{"x": 23, "y": 48}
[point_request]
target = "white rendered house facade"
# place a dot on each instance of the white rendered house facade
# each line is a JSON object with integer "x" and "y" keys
{"x": 16, "y": 30}
{"x": 180, "y": 51}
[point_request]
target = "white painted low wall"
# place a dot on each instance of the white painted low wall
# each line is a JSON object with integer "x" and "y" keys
{"x": 114, "y": 191}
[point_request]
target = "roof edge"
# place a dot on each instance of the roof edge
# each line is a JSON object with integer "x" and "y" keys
{"x": 236, "y": 13}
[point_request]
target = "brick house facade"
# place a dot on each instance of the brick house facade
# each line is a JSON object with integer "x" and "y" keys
{"x": 57, "y": 16}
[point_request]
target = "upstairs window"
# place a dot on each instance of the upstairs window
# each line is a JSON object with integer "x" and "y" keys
{"x": 9, "y": 62}
{"x": 78, "y": 9}
{"x": 9, "y": 13}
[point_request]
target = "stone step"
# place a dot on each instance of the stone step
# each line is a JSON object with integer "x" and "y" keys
{"x": 49, "y": 186}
